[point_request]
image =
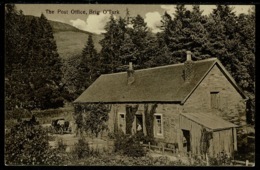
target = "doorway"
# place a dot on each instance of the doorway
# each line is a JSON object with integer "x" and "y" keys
{"x": 139, "y": 123}
{"x": 186, "y": 140}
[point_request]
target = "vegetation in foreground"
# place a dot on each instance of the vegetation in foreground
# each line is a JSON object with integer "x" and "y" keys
{"x": 27, "y": 144}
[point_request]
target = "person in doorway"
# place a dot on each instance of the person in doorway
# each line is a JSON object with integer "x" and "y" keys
{"x": 139, "y": 127}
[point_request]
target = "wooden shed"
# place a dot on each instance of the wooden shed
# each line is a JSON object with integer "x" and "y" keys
{"x": 196, "y": 127}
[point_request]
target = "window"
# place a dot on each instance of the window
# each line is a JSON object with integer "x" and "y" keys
{"x": 214, "y": 100}
{"x": 121, "y": 121}
{"x": 158, "y": 125}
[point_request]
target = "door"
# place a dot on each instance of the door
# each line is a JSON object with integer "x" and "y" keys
{"x": 186, "y": 140}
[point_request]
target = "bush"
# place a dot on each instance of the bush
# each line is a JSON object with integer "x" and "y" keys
{"x": 27, "y": 144}
{"x": 221, "y": 159}
{"x": 129, "y": 145}
{"x": 61, "y": 145}
{"x": 145, "y": 139}
{"x": 17, "y": 113}
{"x": 81, "y": 149}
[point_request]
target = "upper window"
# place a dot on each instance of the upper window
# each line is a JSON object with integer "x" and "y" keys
{"x": 158, "y": 125}
{"x": 214, "y": 100}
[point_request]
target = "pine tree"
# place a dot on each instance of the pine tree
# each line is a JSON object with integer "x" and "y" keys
{"x": 110, "y": 46}
{"x": 139, "y": 35}
{"x": 128, "y": 50}
{"x": 177, "y": 33}
{"x": 43, "y": 66}
{"x": 88, "y": 69}
{"x": 16, "y": 33}
{"x": 198, "y": 34}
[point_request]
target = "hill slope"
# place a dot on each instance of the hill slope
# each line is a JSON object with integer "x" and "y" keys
{"x": 71, "y": 43}
{"x": 70, "y": 40}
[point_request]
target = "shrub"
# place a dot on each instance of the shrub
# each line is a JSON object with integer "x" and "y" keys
{"x": 221, "y": 159}
{"x": 17, "y": 113}
{"x": 61, "y": 145}
{"x": 27, "y": 144}
{"x": 129, "y": 145}
{"x": 145, "y": 139}
{"x": 81, "y": 149}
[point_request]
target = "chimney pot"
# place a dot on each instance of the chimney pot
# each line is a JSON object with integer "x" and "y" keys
{"x": 188, "y": 56}
{"x": 130, "y": 74}
{"x": 130, "y": 66}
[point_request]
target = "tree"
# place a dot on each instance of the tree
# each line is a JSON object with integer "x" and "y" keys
{"x": 44, "y": 70}
{"x": 128, "y": 50}
{"x": 138, "y": 35}
{"x": 177, "y": 33}
{"x": 198, "y": 34}
{"x": 186, "y": 32}
{"x": 17, "y": 36}
{"x": 110, "y": 46}
{"x": 88, "y": 69}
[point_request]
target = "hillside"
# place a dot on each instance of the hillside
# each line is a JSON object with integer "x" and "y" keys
{"x": 70, "y": 40}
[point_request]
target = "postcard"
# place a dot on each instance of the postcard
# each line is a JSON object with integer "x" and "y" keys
{"x": 129, "y": 85}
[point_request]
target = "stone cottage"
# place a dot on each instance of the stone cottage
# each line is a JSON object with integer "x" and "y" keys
{"x": 189, "y": 105}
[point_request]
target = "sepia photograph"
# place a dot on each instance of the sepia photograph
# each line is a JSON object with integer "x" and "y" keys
{"x": 129, "y": 85}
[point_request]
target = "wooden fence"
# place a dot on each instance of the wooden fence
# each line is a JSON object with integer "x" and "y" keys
{"x": 176, "y": 152}
{"x": 242, "y": 163}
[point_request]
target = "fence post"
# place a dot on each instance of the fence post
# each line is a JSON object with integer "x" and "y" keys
{"x": 163, "y": 149}
{"x": 207, "y": 159}
{"x": 149, "y": 145}
{"x": 247, "y": 162}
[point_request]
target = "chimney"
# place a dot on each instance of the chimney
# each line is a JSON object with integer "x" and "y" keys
{"x": 188, "y": 58}
{"x": 188, "y": 67}
{"x": 130, "y": 74}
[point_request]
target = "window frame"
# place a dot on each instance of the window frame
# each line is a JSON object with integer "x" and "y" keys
{"x": 156, "y": 134}
{"x": 216, "y": 105}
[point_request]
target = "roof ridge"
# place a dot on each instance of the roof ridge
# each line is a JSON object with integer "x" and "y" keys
{"x": 165, "y": 66}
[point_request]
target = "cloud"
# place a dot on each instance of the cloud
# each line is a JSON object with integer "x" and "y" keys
{"x": 170, "y": 9}
{"x": 153, "y": 20}
{"x": 94, "y": 23}
{"x": 239, "y": 9}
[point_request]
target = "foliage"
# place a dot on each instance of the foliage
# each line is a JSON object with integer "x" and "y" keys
{"x": 221, "y": 159}
{"x": 81, "y": 149}
{"x": 61, "y": 145}
{"x": 149, "y": 115}
{"x": 27, "y": 144}
{"x": 205, "y": 140}
{"x": 245, "y": 148}
{"x": 17, "y": 113}
{"x": 33, "y": 68}
{"x": 129, "y": 145}
{"x": 130, "y": 112}
{"x": 89, "y": 66}
{"x": 92, "y": 117}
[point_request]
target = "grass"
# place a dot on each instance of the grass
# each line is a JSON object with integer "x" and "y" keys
{"x": 70, "y": 43}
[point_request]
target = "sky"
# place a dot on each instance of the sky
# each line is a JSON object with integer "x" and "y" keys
{"x": 93, "y": 17}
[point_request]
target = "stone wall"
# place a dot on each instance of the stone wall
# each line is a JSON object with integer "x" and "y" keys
{"x": 231, "y": 104}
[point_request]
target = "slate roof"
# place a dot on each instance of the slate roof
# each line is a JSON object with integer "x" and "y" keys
{"x": 209, "y": 120}
{"x": 159, "y": 84}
